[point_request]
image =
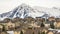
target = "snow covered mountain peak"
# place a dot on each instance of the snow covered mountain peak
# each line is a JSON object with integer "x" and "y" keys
{"x": 50, "y": 11}
{"x": 24, "y": 10}
{"x": 23, "y": 5}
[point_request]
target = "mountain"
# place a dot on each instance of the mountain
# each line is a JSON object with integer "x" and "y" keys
{"x": 24, "y": 10}
{"x": 21, "y": 11}
{"x": 50, "y": 11}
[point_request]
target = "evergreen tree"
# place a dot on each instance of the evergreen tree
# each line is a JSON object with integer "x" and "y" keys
{"x": 3, "y": 28}
{"x": 38, "y": 32}
{"x": 43, "y": 33}
{"x": 42, "y": 25}
{"x": 52, "y": 25}
{"x": 21, "y": 32}
{"x": 33, "y": 32}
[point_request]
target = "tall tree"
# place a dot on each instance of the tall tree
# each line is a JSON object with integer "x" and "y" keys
{"x": 52, "y": 25}
{"x": 42, "y": 25}
{"x": 21, "y": 32}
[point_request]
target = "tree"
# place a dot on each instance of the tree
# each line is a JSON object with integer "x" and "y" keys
{"x": 42, "y": 25}
{"x": 21, "y": 32}
{"x": 33, "y": 33}
{"x": 3, "y": 28}
{"x": 38, "y": 32}
{"x": 52, "y": 25}
{"x": 43, "y": 33}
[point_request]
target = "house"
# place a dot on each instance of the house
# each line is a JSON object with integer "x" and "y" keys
{"x": 17, "y": 32}
{"x": 10, "y": 32}
{"x": 16, "y": 19}
{"x": 57, "y": 25}
{"x": 50, "y": 32}
{"x": 3, "y": 32}
{"x": 32, "y": 31}
{"x": 17, "y": 24}
{"x": 28, "y": 19}
{"x": 33, "y": 24}
{"x": 51, "y": 18}
{"x": 9, "y": 26}
{"x": 45, "y": 30}
{"x": 57, "y": 19}
{"x": 6, "y": 20}
{"x": 1, "y": 27}
{"x": 29, "y": 31}
{"x": 38, "y": 19}
{"x": 47, "y": 25}
{"x": 58, "y": 33}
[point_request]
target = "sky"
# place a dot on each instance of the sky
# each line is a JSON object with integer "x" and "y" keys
{"x": 8, "y": 5}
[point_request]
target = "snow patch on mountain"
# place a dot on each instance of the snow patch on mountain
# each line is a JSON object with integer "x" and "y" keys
{"x": 50, "y": 11}
{"x": 24, "y": 10}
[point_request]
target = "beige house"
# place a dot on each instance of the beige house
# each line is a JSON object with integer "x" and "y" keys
{"x": 17, "y": 24}
{"x": 51, "y": 19}
{"x": 44, "y": 30}
{"x": 57, "y": 25}
{"x": 50, "y": 32}
{"x": 33, "y": 24}
{"x": 9, "y": 25}
{"x": 3, "y": 33}
{"x": 1, "y": 27}
{"x": 47, "y": 25}
{"x": 16, "y": 32}
{"x": 38, "y": 19}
